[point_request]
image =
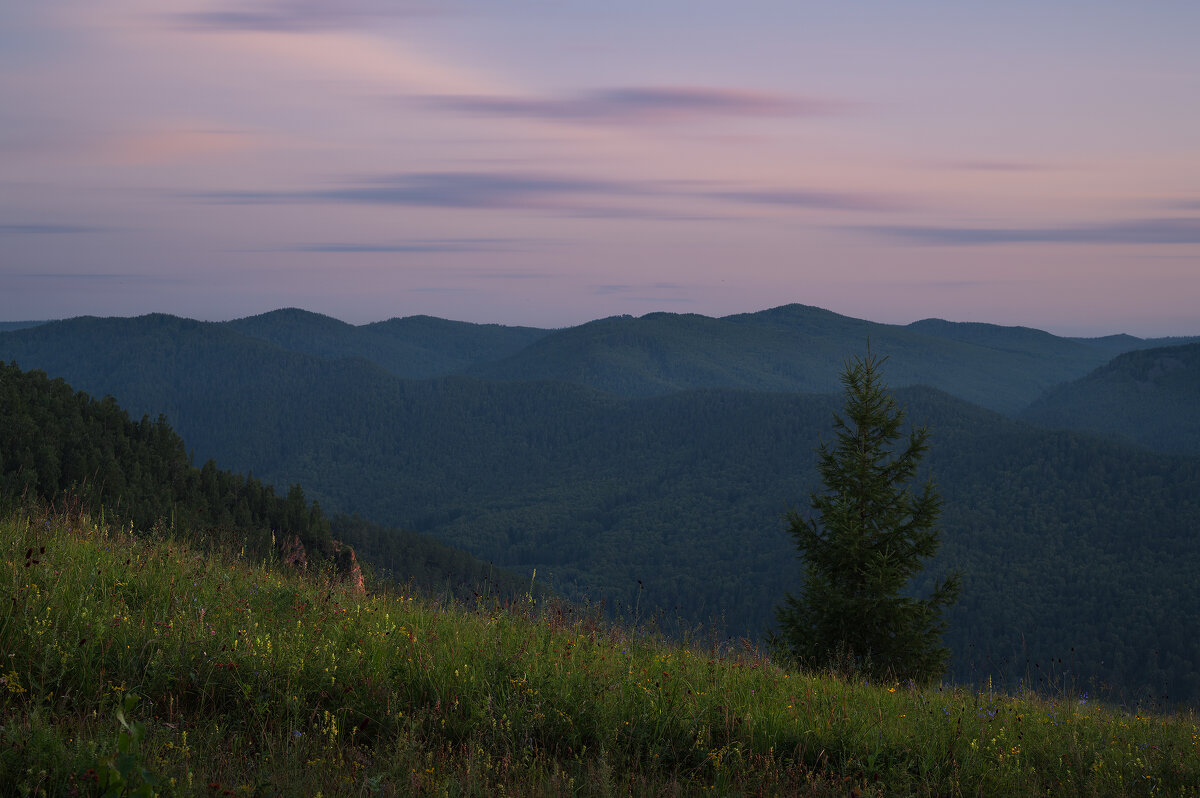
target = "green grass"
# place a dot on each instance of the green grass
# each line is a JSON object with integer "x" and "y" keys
{"x": 256, "y": 680}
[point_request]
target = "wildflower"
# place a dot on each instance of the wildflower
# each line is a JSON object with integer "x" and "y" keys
{"x": 12, "y": 682}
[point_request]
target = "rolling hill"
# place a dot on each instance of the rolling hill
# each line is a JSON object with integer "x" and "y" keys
{"x": 416, "y": 347}
{"x": 1149, "y": 397}
{"x": 798, "y": 348}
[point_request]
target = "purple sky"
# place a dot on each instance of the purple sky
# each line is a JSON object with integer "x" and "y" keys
{"x": 547, "y": 162}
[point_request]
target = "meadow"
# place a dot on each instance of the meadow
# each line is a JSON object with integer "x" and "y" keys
{"x": 142, "y": 664}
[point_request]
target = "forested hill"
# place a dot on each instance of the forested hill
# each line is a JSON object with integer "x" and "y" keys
{"x": 1150, "y": 397}
{"x": 62, "y": 447}
{"x": 1065, "y": 541}
{"x": 415, "y": 347}
{"x": 793, "y": 348}
{"x": 59, "y": 446}
{"x": 5, "y": 326}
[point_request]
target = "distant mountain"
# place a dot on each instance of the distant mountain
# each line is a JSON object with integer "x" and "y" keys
{"x": 1150, "y": 397}
{"x": 1118, "y": 344}
{"x": 416, "y": 347}
{"x": 797, "y": 348}
{"x": 5, "y": 326}
{"x": 1065, "y": 541}
{"x": 231, "y": 396}
{"x": 1014, "y": 339}
{"x": 1027, "y": 339}
{"x": 792, "y": 348}
{"x": 150, "y": 364}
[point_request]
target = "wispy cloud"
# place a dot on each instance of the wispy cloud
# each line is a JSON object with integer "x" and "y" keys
{"x": 48, "y": 229}
{"x": 176, "y": 143}
{"x": 644, "y": 105}
{"x": 819, "y": 200}
{"x": 301, "y": 15}
{"x": 995, "y": 166}
{"x": 908, "y": 284}
{"x": 562, "y": 193}
{"x": 486, "y": 275}
{"x": 449, "y": 190}
{"x": 476, "y": 190}
{"x": 1135, "y": 231}
{"x": 424, "y": 246}
{"x": 438, "y": 289}
{"x": 611, "y": 289}
{"x": 643, "y": 214}
{"x": 93, "y": 278}
{"x": 629, "y": 288}
{"x": 674, "y": 300}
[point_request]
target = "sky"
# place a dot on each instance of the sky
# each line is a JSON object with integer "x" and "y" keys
{"x": 548, "y": 162}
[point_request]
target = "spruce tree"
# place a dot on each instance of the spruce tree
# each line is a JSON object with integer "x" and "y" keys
{"x": 866, "y": 537}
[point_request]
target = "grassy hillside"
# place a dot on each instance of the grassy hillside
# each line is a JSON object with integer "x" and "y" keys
{"x": 1149, "y": 397}
{"x": 139, "y": 664}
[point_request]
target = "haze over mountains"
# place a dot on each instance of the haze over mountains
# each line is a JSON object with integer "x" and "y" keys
{"x": 1147, "y": 397}
{"x": 647, "y": 461}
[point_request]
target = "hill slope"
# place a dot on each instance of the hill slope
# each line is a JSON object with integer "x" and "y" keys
{"x": 5, "y": 326}
{"x": 1149, "y": 397}
{"x": 139, "y": 667}
{"x": 66, "y": 449}
{"x": 62, "y": 447}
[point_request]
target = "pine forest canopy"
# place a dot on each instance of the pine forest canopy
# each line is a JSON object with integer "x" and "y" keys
{"x": 68, "y": 450}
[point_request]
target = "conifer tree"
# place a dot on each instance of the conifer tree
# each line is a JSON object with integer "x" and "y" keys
{"x": 865, "y": 539}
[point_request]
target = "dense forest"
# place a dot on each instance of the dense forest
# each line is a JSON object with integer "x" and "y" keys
{"x": 1148, "y": 397}
{"x": 67, "y": 450}
{"x": 1078, "y": 554}
{"x": 63, "y": 447}
{"x": 795, "y": 348}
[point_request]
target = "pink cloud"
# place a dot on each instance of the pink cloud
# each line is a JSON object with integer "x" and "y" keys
{"x": 175, "y": 144}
